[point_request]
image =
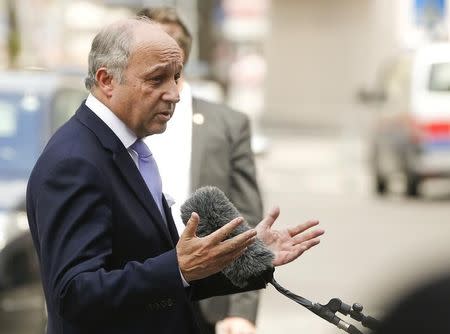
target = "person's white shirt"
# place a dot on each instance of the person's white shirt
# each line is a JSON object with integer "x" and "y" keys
{"x": 172, "y": 152}
{"x": 125, "y": 135}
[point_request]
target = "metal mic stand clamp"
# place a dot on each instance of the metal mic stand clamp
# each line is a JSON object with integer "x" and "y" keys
{"x": 328, "y": 312}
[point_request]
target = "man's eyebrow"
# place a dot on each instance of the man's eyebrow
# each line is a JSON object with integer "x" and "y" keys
{"x": 155, "y": 68}
{"x": 158, "y": 67}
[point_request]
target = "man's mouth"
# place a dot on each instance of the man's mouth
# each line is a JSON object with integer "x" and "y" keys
{"x": 165, "y": 116}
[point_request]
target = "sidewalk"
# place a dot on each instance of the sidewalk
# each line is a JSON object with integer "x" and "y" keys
{"x": 373, "y": 249}
{"x": 297, "y": 167}
{"x": 321, "y": 163}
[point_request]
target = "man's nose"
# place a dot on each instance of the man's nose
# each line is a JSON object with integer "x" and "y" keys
{"x": 172, "y": 94}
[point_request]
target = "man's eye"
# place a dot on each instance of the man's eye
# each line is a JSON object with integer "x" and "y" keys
{"x": 158, "y": 79}
{"x": 177, "y": 76}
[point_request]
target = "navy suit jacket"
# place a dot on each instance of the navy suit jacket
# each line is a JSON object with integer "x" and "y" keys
{"x": 107, "y": 258}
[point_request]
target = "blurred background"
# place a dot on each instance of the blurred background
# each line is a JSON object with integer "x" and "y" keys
{"x": 350, "y": 107}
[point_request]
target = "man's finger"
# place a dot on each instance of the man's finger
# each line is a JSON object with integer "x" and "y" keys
{"x": 295, "y": 252}
{"x": 191, "y": 226}
{"x": 307, "y": 236}
{"x": 268, "y": 221}
{"x": 242, "y": 240}
{"x": 302, "y": 227}
{"x": 307, "y": 245}
{"x": 230, "y": 254}
{"x": 223, "y": 232}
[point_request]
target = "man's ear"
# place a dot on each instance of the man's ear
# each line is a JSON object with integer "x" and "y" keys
{"x": 104, "y": 81}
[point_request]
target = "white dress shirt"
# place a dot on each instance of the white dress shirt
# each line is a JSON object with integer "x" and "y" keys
{"x": 125, "y": 135}
{"x": 172, "y": 152}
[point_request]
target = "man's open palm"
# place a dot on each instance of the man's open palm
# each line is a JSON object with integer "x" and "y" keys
{"x": 287, "y": 244}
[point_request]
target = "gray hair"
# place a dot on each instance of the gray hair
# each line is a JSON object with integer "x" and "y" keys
{"x": 111, "y": 48}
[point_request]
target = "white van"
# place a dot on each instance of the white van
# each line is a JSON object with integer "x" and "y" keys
{"x": 412, "y": 133}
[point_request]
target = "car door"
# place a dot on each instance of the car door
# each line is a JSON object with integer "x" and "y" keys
{"x": 22, "y": 302}
{"x": 392, "y": 130}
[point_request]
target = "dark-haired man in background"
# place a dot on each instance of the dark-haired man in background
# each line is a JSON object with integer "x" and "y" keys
{"x": 214, "y": 148}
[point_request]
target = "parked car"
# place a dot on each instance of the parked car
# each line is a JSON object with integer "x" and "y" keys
{"x": 33, "y": 104}
{"x": 411, "y": 138}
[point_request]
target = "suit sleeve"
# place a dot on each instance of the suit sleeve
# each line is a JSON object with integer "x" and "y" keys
{"x": 74, "y": 220}
{"x": 245, "y": 195}
{"x": 244, "y": 190}
{"x": 219, "y": 285}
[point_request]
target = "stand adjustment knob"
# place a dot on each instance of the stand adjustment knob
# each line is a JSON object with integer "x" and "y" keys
{"x": 357, "y": 307}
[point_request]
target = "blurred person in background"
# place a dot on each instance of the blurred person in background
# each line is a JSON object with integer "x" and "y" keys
{"x": 109, "y": 253}
{"x": 425, "y": 309}
{"x": 213, "y": 147}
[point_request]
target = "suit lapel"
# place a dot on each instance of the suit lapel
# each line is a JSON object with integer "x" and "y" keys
{"x": 125, "y": 165}
{"x": 198, "y": 143}
{"x": 170, "y": 222}
{"x": 131, "y": 174}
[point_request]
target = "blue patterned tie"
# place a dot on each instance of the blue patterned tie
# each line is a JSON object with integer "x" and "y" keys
{"x": 149, "y": 171}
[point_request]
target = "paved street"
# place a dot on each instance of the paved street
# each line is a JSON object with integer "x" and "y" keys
{"x": 373, "y": 249}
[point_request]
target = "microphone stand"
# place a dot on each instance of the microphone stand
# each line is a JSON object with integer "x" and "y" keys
{"x": 328, "y": 311}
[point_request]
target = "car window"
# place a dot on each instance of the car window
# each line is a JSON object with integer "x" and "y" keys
{"x": 65, "y": 103}
{"x": 440, "y": 77}
{"x": 19, "y": 126}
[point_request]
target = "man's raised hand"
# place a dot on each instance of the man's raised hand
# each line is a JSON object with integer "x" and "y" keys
{"x": 287, "y": 244}
{"x": 199, "y": 257}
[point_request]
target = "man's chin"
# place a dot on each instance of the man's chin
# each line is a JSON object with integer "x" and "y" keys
{"x": 157, "y": 130}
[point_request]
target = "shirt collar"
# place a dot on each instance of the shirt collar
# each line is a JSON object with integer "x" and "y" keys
{"x": 125, "y": 135}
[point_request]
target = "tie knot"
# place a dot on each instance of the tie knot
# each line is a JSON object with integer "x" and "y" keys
{"x": 141, "y": 149}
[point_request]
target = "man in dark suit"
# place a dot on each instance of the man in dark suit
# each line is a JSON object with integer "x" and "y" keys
{"x": 110, "y": 257}
{"x": 219, "y": 142}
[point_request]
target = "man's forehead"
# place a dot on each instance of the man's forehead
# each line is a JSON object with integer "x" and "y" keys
{"x": 159, "y": 57}
{"x": 158, "y": 44}
{"x": 152, "y": 33}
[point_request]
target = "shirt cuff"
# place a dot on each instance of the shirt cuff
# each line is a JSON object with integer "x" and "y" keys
{"x": 185, "y": 283}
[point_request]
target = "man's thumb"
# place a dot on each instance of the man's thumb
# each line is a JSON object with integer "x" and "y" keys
{"x": 191, "y": 226}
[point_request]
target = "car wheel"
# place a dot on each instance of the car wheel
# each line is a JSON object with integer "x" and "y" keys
{"x": 380, "y": 184}
{"x": 412, "y": 185}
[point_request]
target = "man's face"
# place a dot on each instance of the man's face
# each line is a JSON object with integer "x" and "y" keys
{"x": 145, "y": 99}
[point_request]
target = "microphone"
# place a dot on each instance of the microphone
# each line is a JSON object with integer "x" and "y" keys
{"x": 215, "y": 210}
